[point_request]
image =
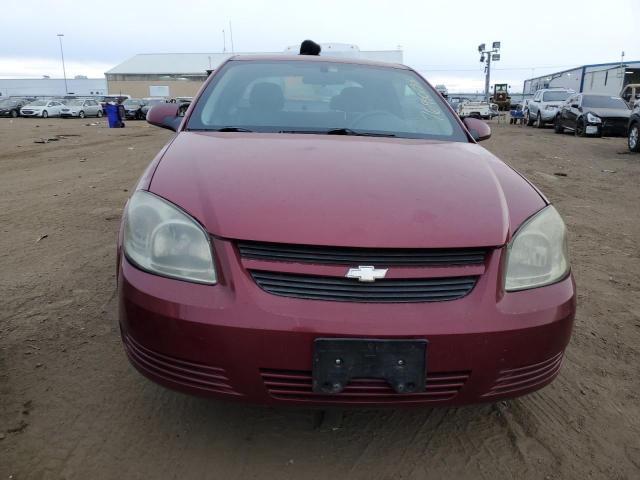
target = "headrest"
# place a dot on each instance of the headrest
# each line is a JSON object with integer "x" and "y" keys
{"x": 266, "y": 96}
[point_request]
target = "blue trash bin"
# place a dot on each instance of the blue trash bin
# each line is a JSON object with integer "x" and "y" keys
{"x": 114, "y": 116}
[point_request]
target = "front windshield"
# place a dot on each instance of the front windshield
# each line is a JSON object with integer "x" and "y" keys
{"x": 601, "y": 101}
{"x": 38, "y": 103}
{"x": 132, "y": 101}
{"x": 555, "y": 96}
{"x": 318, "y": 96}
{"x": 6, "y": 102}
{"x": 74, "y": 103}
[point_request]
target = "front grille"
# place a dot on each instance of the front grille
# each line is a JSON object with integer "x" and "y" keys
{"x": 350, "y": 290}
{"x": 380, "y": 257}
{"x": 297, "y": 386}
{"x": 514, "y": 380}
{"x": 193, "y": 375}
{"x": 615, "y": 123}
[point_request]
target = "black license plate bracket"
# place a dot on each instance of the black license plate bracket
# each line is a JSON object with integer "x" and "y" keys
{"x": 402, "y": 363}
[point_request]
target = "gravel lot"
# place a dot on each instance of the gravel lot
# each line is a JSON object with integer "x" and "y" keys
{"x": 72, "y": 407}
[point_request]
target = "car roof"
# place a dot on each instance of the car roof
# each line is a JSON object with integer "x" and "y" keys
{"x": 315, "y": 58}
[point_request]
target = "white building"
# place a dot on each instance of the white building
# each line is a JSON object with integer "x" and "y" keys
{"x": 606, "y": 78}
{"x": 52, "y": 86}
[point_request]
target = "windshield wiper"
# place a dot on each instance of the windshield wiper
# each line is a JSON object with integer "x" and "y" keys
{"x": 223, "y": 129}
{"x": 340, "y": 131}
{"x": 232, "y": 129}
{"x": 349, "y": 131}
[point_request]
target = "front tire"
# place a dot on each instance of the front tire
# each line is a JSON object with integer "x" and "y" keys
{"x": 539, "y": 122}
{"x": 527, "y": 119}
{"x": 14, "y": 114}
{"x": 557, "y": 126}
{"x": 633, "y": 139}
{"x": 99, "y": 114}
{"x": 579, "y": 131}
{"x": 81, "y": 114}
{"x": 45, "y": 114}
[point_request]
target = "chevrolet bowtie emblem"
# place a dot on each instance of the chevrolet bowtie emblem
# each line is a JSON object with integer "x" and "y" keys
{"x": 366, "y": 273}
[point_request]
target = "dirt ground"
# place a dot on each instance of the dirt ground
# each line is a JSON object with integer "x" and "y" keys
{"x": 71, "y": 407}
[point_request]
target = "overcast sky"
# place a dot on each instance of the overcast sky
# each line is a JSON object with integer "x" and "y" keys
{"x": 439, "y": 39}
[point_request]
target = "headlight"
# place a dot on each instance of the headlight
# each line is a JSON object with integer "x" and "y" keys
{"x": 537, "y": 255}
{"x": 160, "y": 238}
{"x": 591, "y": 118}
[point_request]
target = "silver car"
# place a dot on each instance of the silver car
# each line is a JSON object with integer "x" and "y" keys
{"x": 42, "y": 108}
{"x": 81, "y": 108}
{"x": 544, "y": 105}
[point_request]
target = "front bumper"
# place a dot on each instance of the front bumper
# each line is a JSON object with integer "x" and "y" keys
{"x": 68, "y": 114}
{"x": 614, "y": 127}
{"x": 548, "y": 115}
{"x": 234, "y": 340}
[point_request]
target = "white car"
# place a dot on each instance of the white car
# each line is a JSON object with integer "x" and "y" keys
{"x": 475, "y": 109}
{"x": 42, "y": 108}
{"x": 81, "y": 107}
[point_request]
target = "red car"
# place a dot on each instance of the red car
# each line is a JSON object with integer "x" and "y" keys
{"x": 328, "y": 232}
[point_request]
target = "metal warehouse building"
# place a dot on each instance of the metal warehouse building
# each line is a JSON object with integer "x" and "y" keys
{"x": 52, "y": 86}
{"x": 182, "y": 74}
{"x": 606, "y": 78}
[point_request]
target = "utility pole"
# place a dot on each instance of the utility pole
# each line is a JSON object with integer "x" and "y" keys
{"x": 224, "y": 42}
{"x": 487, "y": 55}
{"x": 64, "y": 71}
{"x": 233, "y": 50}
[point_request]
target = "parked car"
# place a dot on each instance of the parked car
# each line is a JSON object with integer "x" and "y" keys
{"x": 150, "y": 102}
{"x": 631, "y": 94}
{"x": 42, "y": 108}
{"x": 592, "y": 114}
{"x": 360, "y": 250}
{"x": 442, "y": 90}
{"x": 182, "y": 99}
{"x": 455, "y": 102}
{"x": 10, "y": 107}
{"x": 476, "y": 110}
{"x": 104, "y": 99}
{"x": 81, "y": 108}
{"x": 133, "y": 108}
{"x": 544, "y": 105}
{"x": 633, "y": 133}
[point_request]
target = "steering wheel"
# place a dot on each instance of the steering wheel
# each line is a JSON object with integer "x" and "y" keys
{"x": 373, "y": 115}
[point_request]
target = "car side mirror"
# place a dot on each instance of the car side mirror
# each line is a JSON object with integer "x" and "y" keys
{"x": 478, "y": 129}
{"x": 165, "y": 115}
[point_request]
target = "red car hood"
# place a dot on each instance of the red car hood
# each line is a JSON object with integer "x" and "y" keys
{"x": 347, "y": 191}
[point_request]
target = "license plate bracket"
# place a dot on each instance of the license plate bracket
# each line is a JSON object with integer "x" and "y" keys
{"x": 402, "y": 363}
{"x": 591, "y": 129}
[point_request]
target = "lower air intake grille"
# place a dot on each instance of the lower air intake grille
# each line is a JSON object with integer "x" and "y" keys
{"x": 189, "y": 374}
{"x": 340, "y": 289}
{"x": 380, "y": 257}
{"x": 296, "y": 386}
{"x": 515, "y": 380}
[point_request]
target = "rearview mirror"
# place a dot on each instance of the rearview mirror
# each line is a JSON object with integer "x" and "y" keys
{"x": 165, "y": 115}
{"x": 478, "y": 129}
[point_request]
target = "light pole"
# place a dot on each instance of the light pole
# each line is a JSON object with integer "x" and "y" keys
{"x": 490, "y": 55}
{"x": 64, "y": 71}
